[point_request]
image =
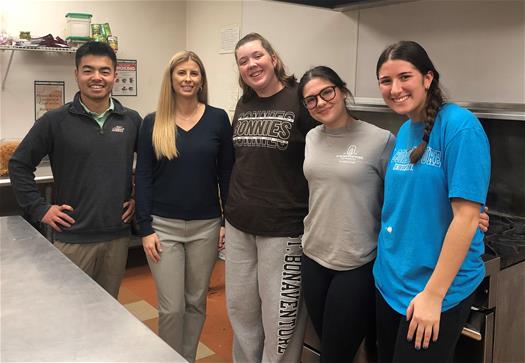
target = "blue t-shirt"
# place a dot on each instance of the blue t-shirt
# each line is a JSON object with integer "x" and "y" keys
{"x": 417, "y": 209}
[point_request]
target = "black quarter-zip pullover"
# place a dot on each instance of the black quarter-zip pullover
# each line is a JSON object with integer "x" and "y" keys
{"x": 92, "y": 169}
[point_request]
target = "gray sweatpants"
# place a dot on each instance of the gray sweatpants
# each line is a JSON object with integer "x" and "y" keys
{"x": 264, "y": 299}
{"x": 182, "y": 276}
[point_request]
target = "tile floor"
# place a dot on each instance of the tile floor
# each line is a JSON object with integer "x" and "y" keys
{"x": 137, "y": 294}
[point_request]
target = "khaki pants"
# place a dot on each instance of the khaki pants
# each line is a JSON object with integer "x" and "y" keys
{"x": 104, "y": 262}
{"x": 182, "y": 277}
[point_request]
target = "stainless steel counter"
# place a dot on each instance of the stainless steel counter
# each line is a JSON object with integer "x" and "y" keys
{"x": 9, "y": 205}
{"x": 52, "y": 312}
{"x": 43, "y": 174}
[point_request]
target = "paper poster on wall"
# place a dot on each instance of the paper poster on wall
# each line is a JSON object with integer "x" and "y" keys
{"x": 48, "y": 96}
{"x": 126, "y": 81}
{"x": 229, "y": 38}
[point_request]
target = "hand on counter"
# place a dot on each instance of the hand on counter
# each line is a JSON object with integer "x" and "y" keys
{"x": 152, "y": 247}
{"x": 129, "y": 210}
{"x": 56, "y": 218}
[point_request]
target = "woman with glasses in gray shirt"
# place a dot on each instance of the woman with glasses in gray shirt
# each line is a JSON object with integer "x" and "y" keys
{"x": 345, "y": 161}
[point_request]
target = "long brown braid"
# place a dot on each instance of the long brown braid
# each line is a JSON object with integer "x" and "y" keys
{"x": 434, "y": 102}
{"x": 415, "y": 54}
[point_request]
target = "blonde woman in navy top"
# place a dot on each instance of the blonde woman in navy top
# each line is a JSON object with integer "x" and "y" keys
{"x": 185, "y": 158}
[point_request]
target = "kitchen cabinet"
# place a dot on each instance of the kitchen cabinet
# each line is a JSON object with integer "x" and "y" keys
{"x": 477, "y": 46}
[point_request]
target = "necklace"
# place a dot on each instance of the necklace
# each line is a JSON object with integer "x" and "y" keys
{"x": 187, "y": 118}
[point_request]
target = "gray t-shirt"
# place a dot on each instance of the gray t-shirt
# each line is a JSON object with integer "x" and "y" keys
{"x": 345, "y": 169}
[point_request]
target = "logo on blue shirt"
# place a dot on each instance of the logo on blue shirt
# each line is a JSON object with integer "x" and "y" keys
{"x": 431, "y": 157}
{"x": 401, "y": 159}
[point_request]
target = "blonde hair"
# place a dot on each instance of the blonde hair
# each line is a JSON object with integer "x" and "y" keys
{"x": 165, "y": 127}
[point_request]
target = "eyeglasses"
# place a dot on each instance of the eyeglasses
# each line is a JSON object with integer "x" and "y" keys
{"x": 326, "y": 94}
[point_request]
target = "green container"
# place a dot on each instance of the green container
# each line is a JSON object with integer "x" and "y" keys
{"x": 79, "y": 15}
{"x": 78, "y": 25}
{"x": 106, "y": 30}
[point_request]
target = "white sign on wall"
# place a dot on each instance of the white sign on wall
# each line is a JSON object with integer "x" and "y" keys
{"x": 48, "y": 96}
{"x": 229, "y": 38}
{"x": 126, "y": 81}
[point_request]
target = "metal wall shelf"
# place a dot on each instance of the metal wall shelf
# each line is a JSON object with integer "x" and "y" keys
{"x": 38, "y": 48}
{"x": 14, "y": 48}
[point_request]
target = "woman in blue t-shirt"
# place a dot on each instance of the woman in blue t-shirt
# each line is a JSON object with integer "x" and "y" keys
{"x": 429, "y": 250}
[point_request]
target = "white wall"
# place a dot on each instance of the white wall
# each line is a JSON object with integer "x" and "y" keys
{"x": 477, "y": 46}
{"x": 205, "y": 19}
{"x": 290, "y": 29}
{"x": 306, "y": 36}
{"x": 148, "y": 31}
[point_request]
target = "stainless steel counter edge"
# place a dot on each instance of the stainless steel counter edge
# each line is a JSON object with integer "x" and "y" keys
{"x": 498, "y": 111}
{"x": 43, "y": 174}
{"x": 53, "y": 312}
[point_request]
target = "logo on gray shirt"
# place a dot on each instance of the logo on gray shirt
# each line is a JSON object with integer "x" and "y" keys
{"x": 350, "y": 156}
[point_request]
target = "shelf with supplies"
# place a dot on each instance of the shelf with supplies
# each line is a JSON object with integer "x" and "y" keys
{"x": 14, "y": 48}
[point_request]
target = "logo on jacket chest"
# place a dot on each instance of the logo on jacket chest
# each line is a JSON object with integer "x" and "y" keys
{"x": 118, "y": 129}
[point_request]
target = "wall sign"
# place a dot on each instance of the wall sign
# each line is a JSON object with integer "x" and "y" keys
{"x": 48, "y": 96}
{"x": 126, "y": 81}
{"x": 229, "y": 38}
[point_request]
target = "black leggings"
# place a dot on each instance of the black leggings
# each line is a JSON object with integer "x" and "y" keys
{"x": 392, "y": 329}
{"x": 341, "y": 307}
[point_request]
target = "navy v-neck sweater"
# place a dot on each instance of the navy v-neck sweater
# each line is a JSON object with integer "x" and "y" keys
{"x": 191, "y": 186}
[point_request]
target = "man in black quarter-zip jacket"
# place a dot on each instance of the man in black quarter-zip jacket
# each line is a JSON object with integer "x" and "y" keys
{"x": 90, "y": 142}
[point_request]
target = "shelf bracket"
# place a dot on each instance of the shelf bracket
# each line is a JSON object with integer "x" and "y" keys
{"x": 7, "y": 70}
{"x": 30, "y": 49}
